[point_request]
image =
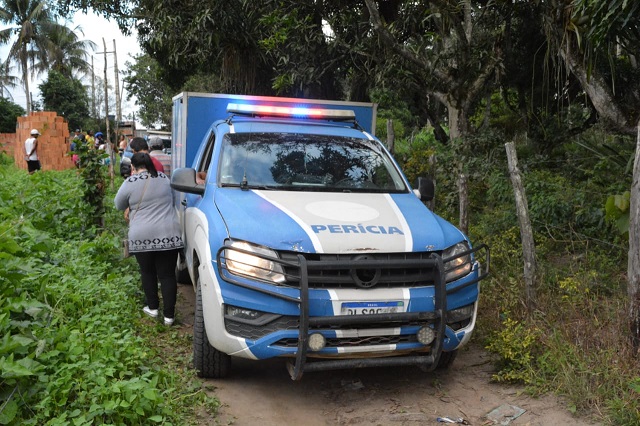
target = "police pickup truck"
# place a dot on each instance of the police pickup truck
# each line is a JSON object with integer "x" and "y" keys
{"x": 304, "y": 240}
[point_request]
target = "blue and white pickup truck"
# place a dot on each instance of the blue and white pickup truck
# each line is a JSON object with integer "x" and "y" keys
{"x": 304, "y": 240}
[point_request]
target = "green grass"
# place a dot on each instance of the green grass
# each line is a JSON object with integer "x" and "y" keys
{"x": 75, "y": 348}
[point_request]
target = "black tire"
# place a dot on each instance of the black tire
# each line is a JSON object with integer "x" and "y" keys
{"x": 446, "y": 359}
{"x": 182, "y": 273}
{"x": 208, "y": 361}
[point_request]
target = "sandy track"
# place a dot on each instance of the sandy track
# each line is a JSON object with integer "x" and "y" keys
{"x": 262, "y": 393}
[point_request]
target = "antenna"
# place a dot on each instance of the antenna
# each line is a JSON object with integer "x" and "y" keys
{"x": 244, "y": 183}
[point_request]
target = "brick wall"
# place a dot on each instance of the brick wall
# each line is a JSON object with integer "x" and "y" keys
{"x": 53, "y": 142}
{"x": 7, "y": 142}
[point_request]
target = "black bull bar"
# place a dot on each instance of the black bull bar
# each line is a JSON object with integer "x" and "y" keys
{"x": 437, "y": 317}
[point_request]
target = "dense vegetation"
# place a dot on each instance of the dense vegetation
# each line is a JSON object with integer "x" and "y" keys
{"x": 74, "y": 348}
{"x": 459, "y": 78}
{"x": 576, "y": 342}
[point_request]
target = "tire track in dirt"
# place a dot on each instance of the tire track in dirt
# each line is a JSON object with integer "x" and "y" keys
{"x": 262, "y": 393}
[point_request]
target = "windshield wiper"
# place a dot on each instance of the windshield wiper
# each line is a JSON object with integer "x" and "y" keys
{"x": 247, "y": 187}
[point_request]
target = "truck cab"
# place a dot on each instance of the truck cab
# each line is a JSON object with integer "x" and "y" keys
{"x": 304, "y": 240}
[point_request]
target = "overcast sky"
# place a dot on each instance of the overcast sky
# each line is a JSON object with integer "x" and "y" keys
{"x": 95, "y": 28}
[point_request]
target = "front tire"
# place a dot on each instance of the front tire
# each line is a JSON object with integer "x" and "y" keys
{"x": 182, "y": 273}
{"x": 208, "y": 361}
{"x": 446, "y": 359}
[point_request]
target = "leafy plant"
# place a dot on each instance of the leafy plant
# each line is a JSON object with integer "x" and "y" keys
{"x": 93, "y": 173}
{"x": 72, "y": 351}
{"x": 617, "y": 210}
{"x": 515, "y": 343}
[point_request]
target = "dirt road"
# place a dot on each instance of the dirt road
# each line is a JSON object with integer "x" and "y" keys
{"x": 262, "y": 393}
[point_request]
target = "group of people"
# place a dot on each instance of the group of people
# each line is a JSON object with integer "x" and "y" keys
{"x": 146, "y": 197}
{"x": 154, "y": 235}
{"x": 154, "y": 147}
{"x": 96, "y": 141}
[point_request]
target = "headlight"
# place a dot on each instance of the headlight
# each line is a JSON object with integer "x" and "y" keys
{"x": 251, "y": 262}
{"x": 459, "y": 266}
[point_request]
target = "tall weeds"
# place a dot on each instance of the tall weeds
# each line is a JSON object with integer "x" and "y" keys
{"x": 72, "y": 351}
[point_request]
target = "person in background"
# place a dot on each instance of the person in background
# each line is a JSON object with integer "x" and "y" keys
{"x": 91, "y": 141}
{"x": 154, "y": 233}
{"x": 140, "y": 145}
{"x": 31, "y": 152}
{"x": 122, "y": 144}
{"x": 78, "y": 138}
{"x": 156, "y": 151}
{"x": 103, "y": 146}
{"x": 72, "y": 150}
{"x": 100, "y": 140}
{"x": 125, "y": 167}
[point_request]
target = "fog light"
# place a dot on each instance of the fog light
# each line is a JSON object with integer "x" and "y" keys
{"x": 460, "y": 314}
{"x": 243, "y": 313}
{"x": 426, "y": 335}
{"x": 317, "y": 342}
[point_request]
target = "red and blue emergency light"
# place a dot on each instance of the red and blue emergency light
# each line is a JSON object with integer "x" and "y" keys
{"x": 298, "y": 112}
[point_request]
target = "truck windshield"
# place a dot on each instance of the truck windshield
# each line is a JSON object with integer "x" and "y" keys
{"x": 288, "y": 161}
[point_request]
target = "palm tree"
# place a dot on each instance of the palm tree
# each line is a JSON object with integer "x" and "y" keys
{"x": 7, "y": 81}
{"x": 67, "y": 54}
{"x": 27, "y": 20}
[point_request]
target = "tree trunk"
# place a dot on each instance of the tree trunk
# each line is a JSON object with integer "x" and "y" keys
{"x": 391, "y": 136}
{"x": 431, "y": 204}
{"x": 599, "y": 92}
{"x": 633, "y": 267}
{"x": 526, "y": 233}
{"x": 458, "y": 124}
{"x": 25, "y": 77}
{"x": 468, "y": 23}
{"x": 463, "y": 191}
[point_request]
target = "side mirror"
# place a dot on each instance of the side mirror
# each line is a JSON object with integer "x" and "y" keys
{"x": 184, "y": 180}
{"x": 426, "y": 189}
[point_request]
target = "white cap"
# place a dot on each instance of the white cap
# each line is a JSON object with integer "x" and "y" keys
{"x": 35, "y": 132}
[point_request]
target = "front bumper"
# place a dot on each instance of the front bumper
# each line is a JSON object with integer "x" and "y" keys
{"x": 426, "y": 306}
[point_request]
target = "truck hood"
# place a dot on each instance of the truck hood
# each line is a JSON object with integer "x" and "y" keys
{"x": 320, "y": 222}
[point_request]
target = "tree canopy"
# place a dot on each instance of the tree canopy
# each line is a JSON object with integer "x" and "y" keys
{"x": 67, "y": 97}
{"x": 9, "y": 112}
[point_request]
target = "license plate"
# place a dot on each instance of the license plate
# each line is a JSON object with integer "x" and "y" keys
{"x": 368, "y": 308}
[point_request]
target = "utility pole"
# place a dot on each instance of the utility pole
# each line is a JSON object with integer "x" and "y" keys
{"x": 106, "y": 113}
{"x": 93, "y": 91}
{"x": 117, "y": 85}
{"x": 106, "y": 92}
{"x": 118, "y": 108}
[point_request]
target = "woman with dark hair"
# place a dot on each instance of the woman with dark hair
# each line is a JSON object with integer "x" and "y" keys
{"x": 154, "y": 232}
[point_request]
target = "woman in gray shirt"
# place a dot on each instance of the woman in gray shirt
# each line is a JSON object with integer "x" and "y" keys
{"x": 154, "y": 232}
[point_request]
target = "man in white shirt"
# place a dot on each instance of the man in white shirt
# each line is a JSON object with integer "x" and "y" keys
{"x": 31, "y": 151}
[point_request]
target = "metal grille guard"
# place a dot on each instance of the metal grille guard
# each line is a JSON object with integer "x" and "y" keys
{"x": 300, "y": 365}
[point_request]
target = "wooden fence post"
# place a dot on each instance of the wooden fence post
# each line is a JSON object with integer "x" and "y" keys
{"x": 526, "y": 233}
{"x": 391, "y": 136}
{"x": 463, "y": 192}
{"x": 431, "y": 204}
